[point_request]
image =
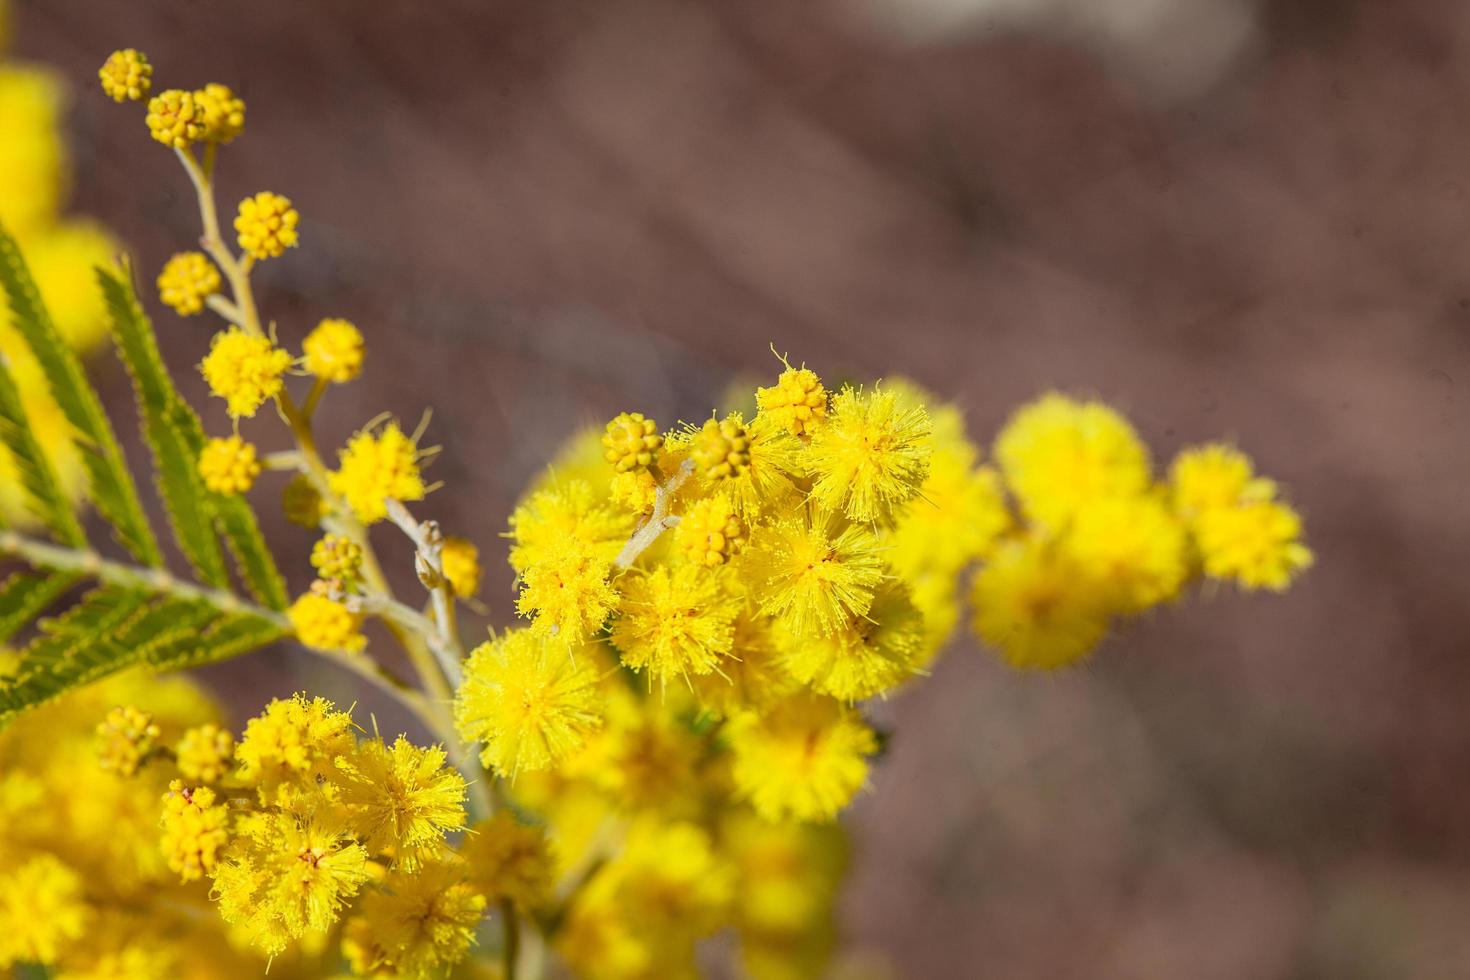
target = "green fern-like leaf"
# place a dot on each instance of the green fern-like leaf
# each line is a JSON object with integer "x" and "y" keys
{"x": 25, "y": 595}
{"x": 44, "y": 495}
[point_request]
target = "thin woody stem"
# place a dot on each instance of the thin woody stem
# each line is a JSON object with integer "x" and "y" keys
{"x": 658, "y": 522}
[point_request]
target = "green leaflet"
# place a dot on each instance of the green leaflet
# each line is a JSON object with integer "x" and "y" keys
{"x": 236, "y": 522}
{"x": 172, "y": 429}
{"x": 227, "y": 636}
{"x": 100, "y": 612}
{"x": 25, "y": 595}
{"x": 111, "y": 487}
{"x": 44, "y": 491}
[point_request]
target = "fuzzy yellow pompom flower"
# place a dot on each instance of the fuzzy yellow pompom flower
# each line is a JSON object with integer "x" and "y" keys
{"x": 326, "y": 624}
{"x": 42, "y": 910}
{"x": 337, "y": 559}
{"x": 528, "y": 700}
{"x": 126, "y": 75}
{"x": 873, "y": 654}
{"x": 636, "y": 490}
{"x": 195, "y": 830}
{"x": 187, "y": 280}
{"x": 375, "y": 468}
{"x": 721, "y": 448}
{"x": 293, "y": 741}
{"x": 461, "y": 561}
{"x": 402, "y": 800}
{"x": 796, "y": 403}
{"x": 125, "y": 738}
{"x": 222, "y": 110}
{"x": 1057, "y": 454}
{"x": 205, "y": 753}
{"x": 710, "y": 532}
{"x": 813, "y": 574}
{"x": 549, "y": 519}
{"x": 1257, "y": 544}
{"x": 334, "y": 351}
{"x": 243, "y": 369}
{"x": 674, "y": 623}
{"x": 266, "y": 225}
{"x": 871, "y": 456}
{"x": 416, "y": 926}
{"x": 567, "y": 593}
{"x": 228, "y": 465}
{"x": 751, "y": 677}
{"x": 1133, "y": 547}
{"x": 509, "y": 859}
{"x": 803, "y": 760}
{"x": 286, "y": 875}
{"x": 631, "y": 442}
{"x": 63, "y": 259}
{"x": 175, "y": 119}
{"x": 1037, "y": 607}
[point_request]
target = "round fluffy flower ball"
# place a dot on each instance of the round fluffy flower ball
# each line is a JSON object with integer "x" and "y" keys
{"x": 175, "y": 119}
{"x": 326, "y": 624}
{"x": 228, "y": 465}
{"x": 376, "y": 468}
{"x": 266, "y": 225}
{"x": 244, "y": 370}
{"x": 126, "y": 75}
{"x": 223, "y": 112}
{"x": 187, "y": 280}
{"x": 334, "y": 351}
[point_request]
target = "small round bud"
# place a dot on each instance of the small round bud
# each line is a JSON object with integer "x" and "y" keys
{"x": 175, "y": 119}
{"x": 722, "y": 448}
{"x": 632, "y": 442}
{"x": 796, "y": 402}
{"x": 187, "y": 280}
{"x": 337, "y": 558}
{"x": 301, "y": 502}
{"x": 710, "y": 532}
{"x": 205, "y": 753}
{"x": 266, "y": 225}
{"x": 124, "y": 739}
{"x": 228, "y": 465}
{"x": 223, "y": 112}
{"x": 126, "y": 75}
{"x": 334, "y": 351}
{"x": 326, "y": 624}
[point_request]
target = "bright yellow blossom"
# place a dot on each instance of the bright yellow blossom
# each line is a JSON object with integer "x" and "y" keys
{"x": 1257, "y": 544}
{"x": 293, "y": 741}
{"x": 721, "y": 448}
{"x": 710, "y": 532}
{"x": 873, "y": 654}
{"x": 565, "y": 512}
{"x": 1214, "y": 475}
{"x": 337, "y": 559}
{"x": 871, "y": 456}
{"x": 401, "y": 800}
{"x": 222, "y": 110}
{"x": 1037, "y": 607}
{"x": 673, "y": 623}
{"x": 812, "y": 574}
{"x": 195, "y": 830}
{"x": 1134, "y": 547}
{"x": 41, "y": 909}
{"x": 416, "y": 926}
{"x": 632, "y": 442}
{"x": 126, "y": 75}
{"x": 334, "y": 351}
{"x": 375, "y": 468}
{"x": 567, "y": 594}
{"x": 461, "y": 561}
{"x": 245, "y": 370}
{"x": 205, "y": 753}
{"x": 804, "y": 760}
{"x": 509, "y": 859}
{"x": 125, "y": 739}
{"x": 228, "y": 465}
{"x": 323, "y": 623}
{"x": 175, "y": 119}
{"x": 187, "y": 280}
{"x": 796, "y": 403}
{"x": 266, "y": 225}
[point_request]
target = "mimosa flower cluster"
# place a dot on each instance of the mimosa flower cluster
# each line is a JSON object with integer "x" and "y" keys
{"x": 656, "y": 752}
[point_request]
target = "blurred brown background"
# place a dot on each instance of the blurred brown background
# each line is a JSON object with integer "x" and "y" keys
{"x": 1229, "y": 218}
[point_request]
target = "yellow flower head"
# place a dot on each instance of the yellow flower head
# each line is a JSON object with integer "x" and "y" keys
{"x": 62, "y": 259}
{"x": 528, "y": 700}
{"x": 266, "y": 225}
{"x": 567, "y": 594}
{"x": 1037, "y": 607}
{"x": 803, "y": 760}
{"x": 751, "y": 677}
{"x": 228, "y": 465}
{"x": 375, "y": 468}
{"x": 286, "y": 875}
{"x": 223, "y": 112}
{"x": 337, "y": 558}
{"x": 1257, "y": 544}
{"x": 33, "y": 157}
{"x": 126, "y": 75}
{"x": 1057, "y": 454}
{"x": 632, "y": 442}
{"x": 205, "y": 754}
{"x": 812, "y": 574}
{"x": 42, "y": 911}
{"x": 326, "y": 624}
{"x": 175, "y": 119}
{"x": 873, "y": 654}
{"x": 461, "y": 561}
{"x": 1203, "y": 478}
{"x": 1133, "y": 547}
{"x": 195, "y": 830}
{"x": 125, "y": 738}
{"x": 187, "y": 280}
{"x": 871, "y": 456}
{"x": 797, "y": 402}
{"x": 402, "y": 800}
{"x": 245, "y": 370}
{"x": 636, "y": 490}
{"x": 417, "y": 926}
{"x": 721, "y": 448}
{"x": 301, "y": 502}
{"x": 334, "y": 351}
{"x": 674, "y": 623}
{"x": 509, "y": 859}
{"x": 293, "y": 741}
{"x": 710, "y": 532}
{"x": 545, "y": 522}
